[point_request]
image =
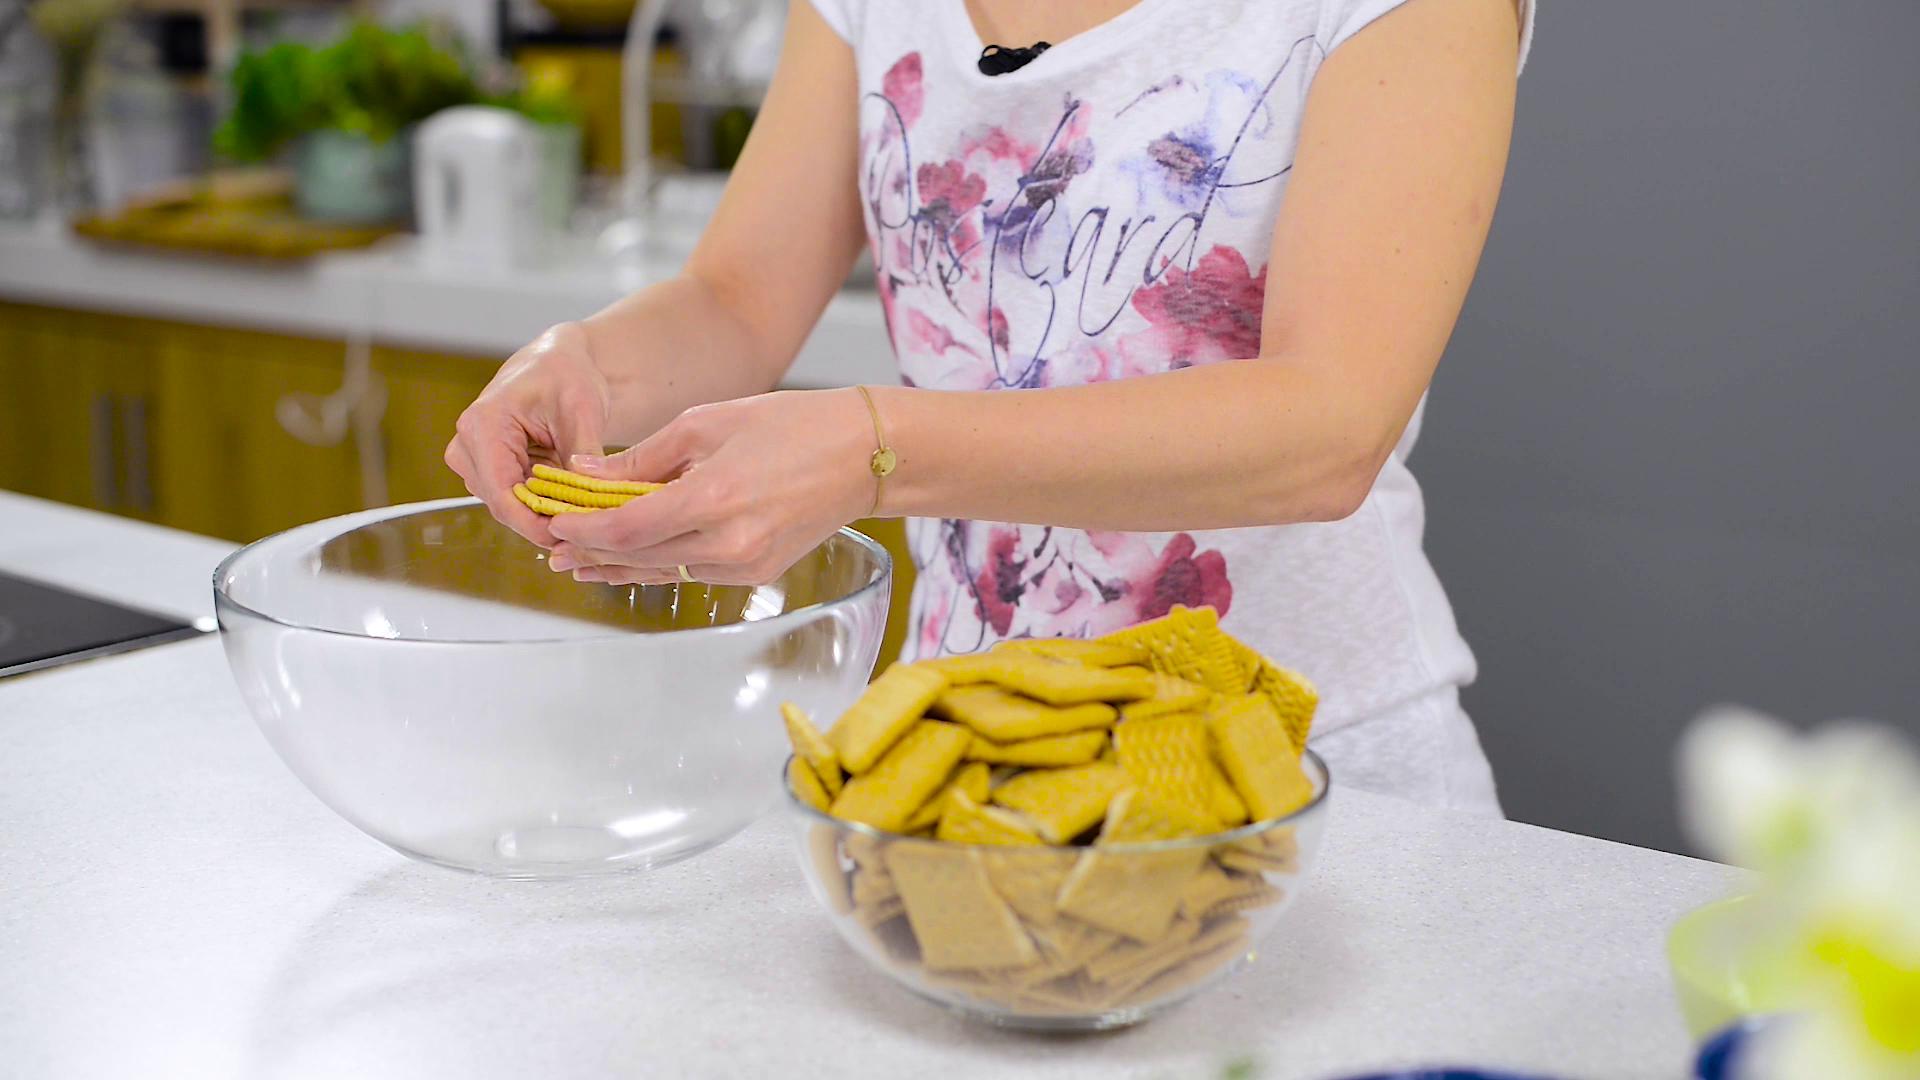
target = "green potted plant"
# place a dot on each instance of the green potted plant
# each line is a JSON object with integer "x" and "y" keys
{"x": 345, "y": 109}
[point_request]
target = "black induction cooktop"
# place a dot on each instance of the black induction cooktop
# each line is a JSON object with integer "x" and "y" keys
{"x": 41, "y": 626}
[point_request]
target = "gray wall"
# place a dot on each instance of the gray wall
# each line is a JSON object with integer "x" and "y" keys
{"x": 1671, "y": 453}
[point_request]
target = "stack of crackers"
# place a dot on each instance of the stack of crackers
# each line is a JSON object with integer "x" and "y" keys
{"x": 1053, "y": 770}
{"x": 551, "y": 491}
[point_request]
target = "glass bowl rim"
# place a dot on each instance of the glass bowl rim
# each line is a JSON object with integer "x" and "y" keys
{"x": 1185, "y": 843}
{"x": 399, "y": 510}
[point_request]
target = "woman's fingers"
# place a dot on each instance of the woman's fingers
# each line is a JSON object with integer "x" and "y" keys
{"x": 657, "y": 458}
{"x": 493, "y": 462}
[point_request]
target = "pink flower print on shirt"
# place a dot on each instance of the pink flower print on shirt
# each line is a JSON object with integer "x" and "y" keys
{"x": 902, "y": 86}
{"x": 998, "y": 587}
{"x": 1211, "y": 313}
{"x": 1145, "y": 584}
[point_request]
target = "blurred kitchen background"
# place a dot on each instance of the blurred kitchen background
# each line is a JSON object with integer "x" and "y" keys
{"x": 256, "y": 256}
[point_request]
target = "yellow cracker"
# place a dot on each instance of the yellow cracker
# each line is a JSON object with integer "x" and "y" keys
{"x": 1188, "y": 642}
{"x": 1075, "y": 749}
{"x": 1137, "y": 816}
{"x": 1168, "y": 756}
{"x": 1215, "y": 892}
{"x": 1207, "y": 888}
{"x": 891, "y": 704}
{"x": 1259, "y": 757}
{"x": 967, "y": 822}
{"x": 1293, "y": 697}
{"x": 812, "y": 747}
{"x": 872, "y": 915}
{"x": 806, "y": 786}
{"x": 1065, "y": 995}
{"x": 866, "y": 852}
{"x": 829, "y": 876}
{"x": 592, "y": 500}
{"x": 540, "y": 504}
{"x": 1228, "y": 808}
{"x": 1069, "y": 943}
{"x": 1075, "y": 650}
{"x": 1136, "y": 895}
{"x": 1128, "y": 957}
{"x": 1063, "y": 803}
{"x": 1058, "y": 683}
{"x": 972, "y": 778}
{"x": 1003, "y": 716}
{"x": 1029, "y": 879}
{"x": 960, "y": 922}
{"x": 1218, "y": 947}
{"x": 594, "y": 483}
{"x": 1171, "y": 694}
{"x": 1248, "y": 862}
{"x": 1264, "y": 895}
{"x": 962, "y": 669}
{"x": 872, "y": 886}
{"x": 888, "y": 794}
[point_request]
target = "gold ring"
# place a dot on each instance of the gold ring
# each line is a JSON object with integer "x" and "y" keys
{"x": 684, "y": 576}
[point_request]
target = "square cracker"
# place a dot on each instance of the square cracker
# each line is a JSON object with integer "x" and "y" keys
{"x": 1259, "y": 757}
{"x": 1062, "y": 684}
{"x": 1063, "y": 802}
{"x": 812, "y": 747}
{"x": 1092, "y": 653}
{"x": 960, "y": 922}
{"x": 1077, "y": 748}
{"x": 886, "y": 795}
{"x": 967, "y": 822}
{"x": 1003, "y": 716}
{"x": 891, "y": 705}
{"x": 1135, "y": 895}
{"x": 974, "y": 778}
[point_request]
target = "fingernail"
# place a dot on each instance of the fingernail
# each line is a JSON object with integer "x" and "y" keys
{"x": 588, "y": 461}
{"x": 560, "y": 563}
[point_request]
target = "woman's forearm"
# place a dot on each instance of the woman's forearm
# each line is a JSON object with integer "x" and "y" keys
{"x": 674, "y": 345}
{"x": 1257, "y": 442}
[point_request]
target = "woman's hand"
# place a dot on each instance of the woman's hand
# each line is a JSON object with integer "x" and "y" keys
{"x": 756, "y": 483}
{"x": 548, "y": 402}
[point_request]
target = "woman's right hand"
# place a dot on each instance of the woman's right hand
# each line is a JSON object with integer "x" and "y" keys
{"x": 548, "y": 402}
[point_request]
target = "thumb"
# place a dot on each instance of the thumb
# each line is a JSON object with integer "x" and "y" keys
{"x": 578, "y": 434}
{"x": 656, "y": 459}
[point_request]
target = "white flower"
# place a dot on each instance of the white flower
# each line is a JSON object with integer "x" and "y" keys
{"x": 1832, "y": 823}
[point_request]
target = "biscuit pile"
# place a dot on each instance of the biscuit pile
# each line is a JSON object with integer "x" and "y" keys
{"x": 551, "y": 491}
{"x": 1045, "y": 764}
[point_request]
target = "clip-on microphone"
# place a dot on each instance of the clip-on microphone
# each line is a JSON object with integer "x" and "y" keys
{"x": 998, "y": 59}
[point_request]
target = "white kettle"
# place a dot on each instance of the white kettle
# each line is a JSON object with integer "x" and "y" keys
{"x": 477, "y": 180}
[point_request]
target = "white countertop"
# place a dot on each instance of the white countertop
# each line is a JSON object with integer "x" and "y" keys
{"x": 174, "y": 903}
{"x": 390, "y": 293}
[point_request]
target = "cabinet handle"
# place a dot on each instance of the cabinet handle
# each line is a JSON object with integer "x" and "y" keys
{"x": 133, "y": 439}
{"x": 106, "y": 492}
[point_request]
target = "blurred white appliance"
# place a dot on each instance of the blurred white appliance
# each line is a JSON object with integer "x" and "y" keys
{"x": 477, "y": 188}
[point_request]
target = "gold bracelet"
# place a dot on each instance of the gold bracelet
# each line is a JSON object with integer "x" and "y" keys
{"x": 884, "y": 460}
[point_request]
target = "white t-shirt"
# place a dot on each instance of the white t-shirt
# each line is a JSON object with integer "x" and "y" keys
{"x": 1102, "y": 213}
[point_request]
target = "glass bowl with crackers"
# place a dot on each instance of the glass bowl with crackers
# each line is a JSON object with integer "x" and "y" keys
{"x": 1064, "y": 834}
{"x": 424, "y": 673}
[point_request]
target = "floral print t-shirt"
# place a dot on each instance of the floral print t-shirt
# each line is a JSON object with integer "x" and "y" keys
{"x": 1105, "y": 213}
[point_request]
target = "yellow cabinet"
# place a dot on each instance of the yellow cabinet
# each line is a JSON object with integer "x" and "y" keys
{"x": 182, "y": 425}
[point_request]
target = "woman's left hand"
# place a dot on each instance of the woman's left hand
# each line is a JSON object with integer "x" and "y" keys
{"x": 756, "y": 483}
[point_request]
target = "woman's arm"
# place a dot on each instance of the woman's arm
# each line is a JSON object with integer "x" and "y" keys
{"x": 779, "y": 246}
{"x": 728, "y": 325}
{"x": 1395, "y": 177}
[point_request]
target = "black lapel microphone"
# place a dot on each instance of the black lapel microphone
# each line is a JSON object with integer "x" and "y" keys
{"x": 998, "y": 59}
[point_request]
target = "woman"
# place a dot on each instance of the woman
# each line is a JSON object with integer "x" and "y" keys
{"x": 1219, "y": 246}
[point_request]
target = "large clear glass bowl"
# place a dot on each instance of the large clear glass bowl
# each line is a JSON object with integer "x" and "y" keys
{"x": 429, "y": 678}
{"x": 1060, "y": 938}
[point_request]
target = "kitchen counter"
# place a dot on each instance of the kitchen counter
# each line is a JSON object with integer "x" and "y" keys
{"x": 389, "y": 293}
{"x": 174, "y": 903}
